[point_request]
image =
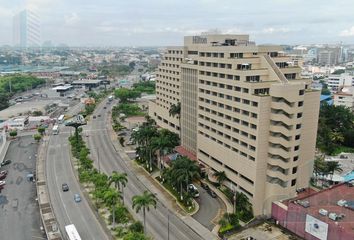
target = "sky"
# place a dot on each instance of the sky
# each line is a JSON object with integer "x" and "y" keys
{"x": 165, "y": 22}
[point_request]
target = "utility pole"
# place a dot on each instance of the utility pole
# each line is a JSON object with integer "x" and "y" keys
{"x": 98, "y": 160}
{"x": 235, "y": 202}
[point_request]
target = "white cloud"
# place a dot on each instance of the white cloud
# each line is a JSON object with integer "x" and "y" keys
{"x": 347, "y": 32}
{"x": 71, "y": 19}
{"x": 271, "y": 30}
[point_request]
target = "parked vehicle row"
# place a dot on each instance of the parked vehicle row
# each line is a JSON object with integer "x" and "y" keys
{"x": 209, "y": 191}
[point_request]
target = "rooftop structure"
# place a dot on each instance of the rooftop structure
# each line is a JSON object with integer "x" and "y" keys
{"x": 328, "y": 214}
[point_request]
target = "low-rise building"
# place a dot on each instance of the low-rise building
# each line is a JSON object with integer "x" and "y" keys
{"x": 344, "y": 97}
{"x": 324, "y": 215}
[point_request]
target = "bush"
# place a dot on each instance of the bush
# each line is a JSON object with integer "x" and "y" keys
{"x": 137, "y": 226}
{"x": 13, "y": 133}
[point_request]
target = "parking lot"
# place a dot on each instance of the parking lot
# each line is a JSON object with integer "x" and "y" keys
{"x": 19, "y": 213}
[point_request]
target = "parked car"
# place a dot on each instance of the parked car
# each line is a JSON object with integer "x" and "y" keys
{"x": 104, "y": 107}
{"x": 77, "y": 197}
{"x": 6, "y": 162}
{"x": 2, "y": 183}
{"x": 212, "y": 194}
{"x": 94, "y": 116}
{"x": 193, "y": 190}
{"x": 99, "y": 115}
{"x": 2, "y": 176}
{"x": 4, "y": 172}
{"x": 65, "y": 187}
{"x": 205, "y": 186}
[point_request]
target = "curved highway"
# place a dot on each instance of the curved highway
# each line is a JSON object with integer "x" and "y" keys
{"x": 156, "y": 219}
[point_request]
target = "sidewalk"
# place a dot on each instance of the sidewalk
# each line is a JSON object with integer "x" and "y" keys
{"x": 165, "y": 198}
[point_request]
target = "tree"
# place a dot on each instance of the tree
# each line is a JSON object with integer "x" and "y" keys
{"x": 13, "y": 133}
{"x": 319, "y": 167}
{"x": 120, "y": 181}
{"x": 164, "y": 143}
{"x": 220, "y": 176}
{"x": 41, "y": 130}
{"x": 333, "y": 166}
{"x": 125, "y": 94}
{"x": 144, "y": 202}
{"x": 175, "y": 110}
{"x": 136, "y": 227}
{"x": 37, "y": 137}
{"x": 184, "y": 171}
{"x": 111, "y": 197}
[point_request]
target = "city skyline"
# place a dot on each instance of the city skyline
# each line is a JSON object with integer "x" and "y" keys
{"x": 136, "y": 23}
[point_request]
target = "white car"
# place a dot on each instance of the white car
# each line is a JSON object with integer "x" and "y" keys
{"x": 2, "y": 183}
{"x": 194, "y": 190}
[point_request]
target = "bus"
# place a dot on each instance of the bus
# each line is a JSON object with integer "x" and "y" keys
{"x": 61, "y": 119}
{"x": 72, "y": 232}
{"x": 56, "y": 129}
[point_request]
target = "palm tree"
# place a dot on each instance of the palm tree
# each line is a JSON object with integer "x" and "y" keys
{"x": 164, "y": 143}
{"x": 144, "y": 202}
{"x": 319, "y": 167}
{"x": 120, "y": 181}
{"x": 175, "y": 110}
{"x": 333, "y": 166}
{"x": 220, "y": 176}
{"x": 111, "y": 197}
{"x": 184, "y": 170}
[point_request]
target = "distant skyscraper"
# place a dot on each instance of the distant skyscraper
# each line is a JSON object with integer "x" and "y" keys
{"x": 26, "y": 29}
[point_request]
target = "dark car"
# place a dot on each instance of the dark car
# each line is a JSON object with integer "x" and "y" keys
{"x": 212, "y": 194}
{"x": 65, "y": 187}
{"x": 99, "y": 115}
{"x": 104, "y": 107}
{"x": 94, "y": 116}
{"x": 6, "y": 162}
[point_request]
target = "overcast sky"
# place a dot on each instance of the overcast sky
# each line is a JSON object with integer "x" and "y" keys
{"x": 165, "y": 22}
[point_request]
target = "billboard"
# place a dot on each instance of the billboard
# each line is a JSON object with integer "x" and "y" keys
{"x": 316, "y": 227}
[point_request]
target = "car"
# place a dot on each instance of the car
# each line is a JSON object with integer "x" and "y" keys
{"x": 2, "y": 183}
{"x": 65, "y": 187}
{"x": 77, "y": 197}
{"x": 212, "y": 194}
{"x": 204, "y": 186}
{"x": 94, "y": 116}
{"x": 4, "y": 172}
{"x": 3, "y": 175}
{"x": 122, "y": 134}
{"x": 130, "y": 142}
{"x": 6, "y": 162}
{"x": 193, "y": 190}
{"x": 99, "y": 115}
{"x": 104, "y": 107}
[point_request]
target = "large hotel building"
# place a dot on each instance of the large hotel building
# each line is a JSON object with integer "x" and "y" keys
{"x": 244, "y": 110}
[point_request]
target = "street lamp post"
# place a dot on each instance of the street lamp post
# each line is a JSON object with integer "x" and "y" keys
{"x": 98, "y": 160}
{"x": 168, "y": 224}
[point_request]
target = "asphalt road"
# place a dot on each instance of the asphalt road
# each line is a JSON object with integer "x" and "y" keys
{"x": 208, "y": 208}
{"x": 67, "y": 211}
{"x": 156, "y": 219}
{"x": 19, "y": 212}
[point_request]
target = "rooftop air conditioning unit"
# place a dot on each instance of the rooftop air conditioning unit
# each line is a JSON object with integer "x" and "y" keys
{"x": 323, "y": 212}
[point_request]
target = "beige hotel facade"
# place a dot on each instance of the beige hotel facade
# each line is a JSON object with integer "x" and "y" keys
{"x": 244, "y": 110}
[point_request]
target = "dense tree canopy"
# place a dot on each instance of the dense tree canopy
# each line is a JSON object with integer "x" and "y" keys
{"x": 125, "y": 94}
{"x": 335, "y": 128}
{"x": 12, "y": 84}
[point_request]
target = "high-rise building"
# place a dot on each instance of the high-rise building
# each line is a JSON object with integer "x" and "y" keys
{"x": 244, "y": 110}
{"x": 26, "y": 29}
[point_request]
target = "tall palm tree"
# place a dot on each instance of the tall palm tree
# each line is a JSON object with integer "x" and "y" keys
{"x": 175, "y": 110}
{"x": 333, "y": 166}
{"x": 120, "y": 181}
{"x": 319, "y": 167}
{"x": 185, "y": 171}
{"x": 144, "y": 202}
{"x": 220, "y": 176}
{"x": 164, "y": 143}
{"x": 111, "y": 197}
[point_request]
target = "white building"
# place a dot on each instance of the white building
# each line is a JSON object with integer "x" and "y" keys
{"x": 335, "y": 82}
{"x": 345, "y": 97}
{"x": 26, "y": 29}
